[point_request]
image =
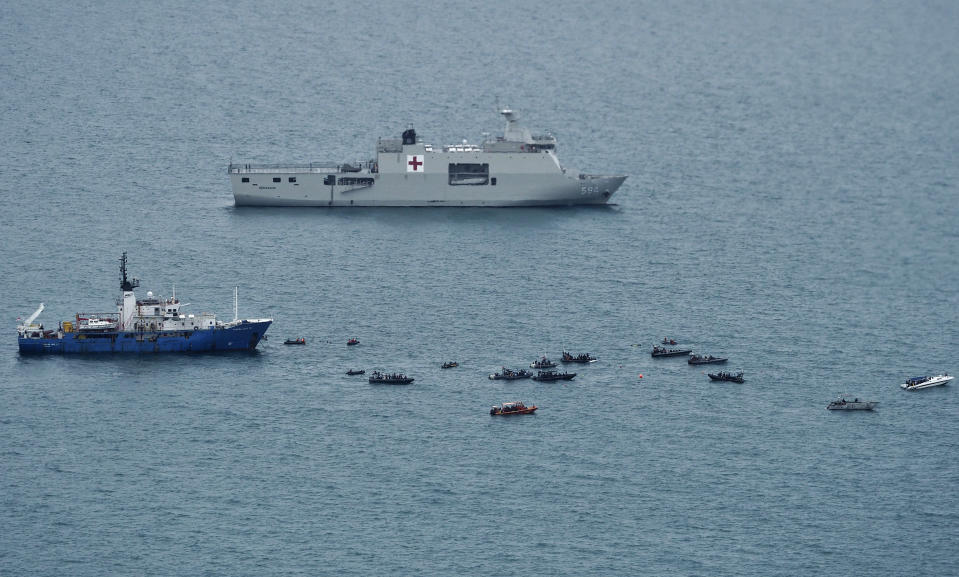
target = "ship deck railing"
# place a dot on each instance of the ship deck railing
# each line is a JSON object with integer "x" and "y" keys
{"x": 584, "y": 176}
{"x": 102, "y": 316}
{"x": 313, "y": 167}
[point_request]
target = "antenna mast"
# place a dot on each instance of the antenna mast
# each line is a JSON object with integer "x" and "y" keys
{"x": 126, "y": 285}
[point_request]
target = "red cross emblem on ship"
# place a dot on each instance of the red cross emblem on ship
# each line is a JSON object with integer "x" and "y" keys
{"x": 415, "y": 162}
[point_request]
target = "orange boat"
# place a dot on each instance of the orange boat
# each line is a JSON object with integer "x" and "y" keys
{"x": 514, "y": 408}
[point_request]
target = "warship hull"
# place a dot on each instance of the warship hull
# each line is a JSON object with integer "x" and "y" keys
{"x": 242, "y": 336}
{"x": 424, "y": 190}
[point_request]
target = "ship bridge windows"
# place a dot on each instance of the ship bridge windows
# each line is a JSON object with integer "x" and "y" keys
{"x": 277, "y": 179}
{"x": 461, "y": 173}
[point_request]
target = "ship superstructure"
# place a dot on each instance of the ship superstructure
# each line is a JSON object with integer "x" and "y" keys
{"x": 516, "y": 169}
{"x": 150, "y": 325}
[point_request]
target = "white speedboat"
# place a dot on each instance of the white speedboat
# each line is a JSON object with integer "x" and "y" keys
{"x": 96, "y": 324}
{"x": 926, "y": 382}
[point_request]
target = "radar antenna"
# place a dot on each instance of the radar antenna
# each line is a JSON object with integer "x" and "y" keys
{"x": 126, "y": 285}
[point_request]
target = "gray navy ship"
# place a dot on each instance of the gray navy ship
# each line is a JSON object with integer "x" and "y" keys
{"x": 516, "y": 169}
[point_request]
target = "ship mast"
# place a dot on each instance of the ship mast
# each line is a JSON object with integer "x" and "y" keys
{"x": 128, "y": 302}
{"x": 126, "y": 285}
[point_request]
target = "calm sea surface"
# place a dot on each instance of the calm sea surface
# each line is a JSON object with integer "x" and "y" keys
{"x": 792, "y": 204}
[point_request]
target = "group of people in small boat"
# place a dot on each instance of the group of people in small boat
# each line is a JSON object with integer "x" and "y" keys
{"x": 388, "y": 376}
{"x": 554, "y": 376}
{"x": 542, "y": 363}
{"x": 920, "y": 380}
{"x": 510, "y": 408}
{"x": 508, "y": 372}
{"x": 658, "y": 350}
{"x": 724, "y": 376}
{"x": 704, "y": 359}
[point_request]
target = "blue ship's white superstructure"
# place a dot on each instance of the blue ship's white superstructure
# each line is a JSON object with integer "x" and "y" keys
{"x": 150, "y": 325}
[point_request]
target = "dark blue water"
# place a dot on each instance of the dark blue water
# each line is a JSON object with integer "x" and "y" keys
{"x": 792, "y": 204}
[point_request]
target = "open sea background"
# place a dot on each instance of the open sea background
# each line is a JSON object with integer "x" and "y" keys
{"x": 792, "y": 204}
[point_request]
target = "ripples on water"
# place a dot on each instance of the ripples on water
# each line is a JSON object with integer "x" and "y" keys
{"x": 791, "y": 205}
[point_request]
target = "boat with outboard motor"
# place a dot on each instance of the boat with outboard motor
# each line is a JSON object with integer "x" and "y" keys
{"x": 450, "y": 365}
{"x": 510, "y": 375}
{"x": 724, "y": 376}
{"x": 149, "y": 325}
{"x": 352, "y": 342}
{"x": 547, "y": 376}
{"x": 389, "y": 378}
{"x": 705, "y": 360}
{"x": 926, "y": 382}
{"x": 352, "y": 372}
{"x": 516, "y": 169}
{"x": 513, "y": 408}
{"x": 296, "y": 341}
{"x": 543, "y": 363}
{"x": 664, "y": 352}
{"x": 844, "y": 404}
{"x": 583, "y": 358}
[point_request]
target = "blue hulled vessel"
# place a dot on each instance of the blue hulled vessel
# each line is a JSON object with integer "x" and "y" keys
{"x": 150, "y": 325}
